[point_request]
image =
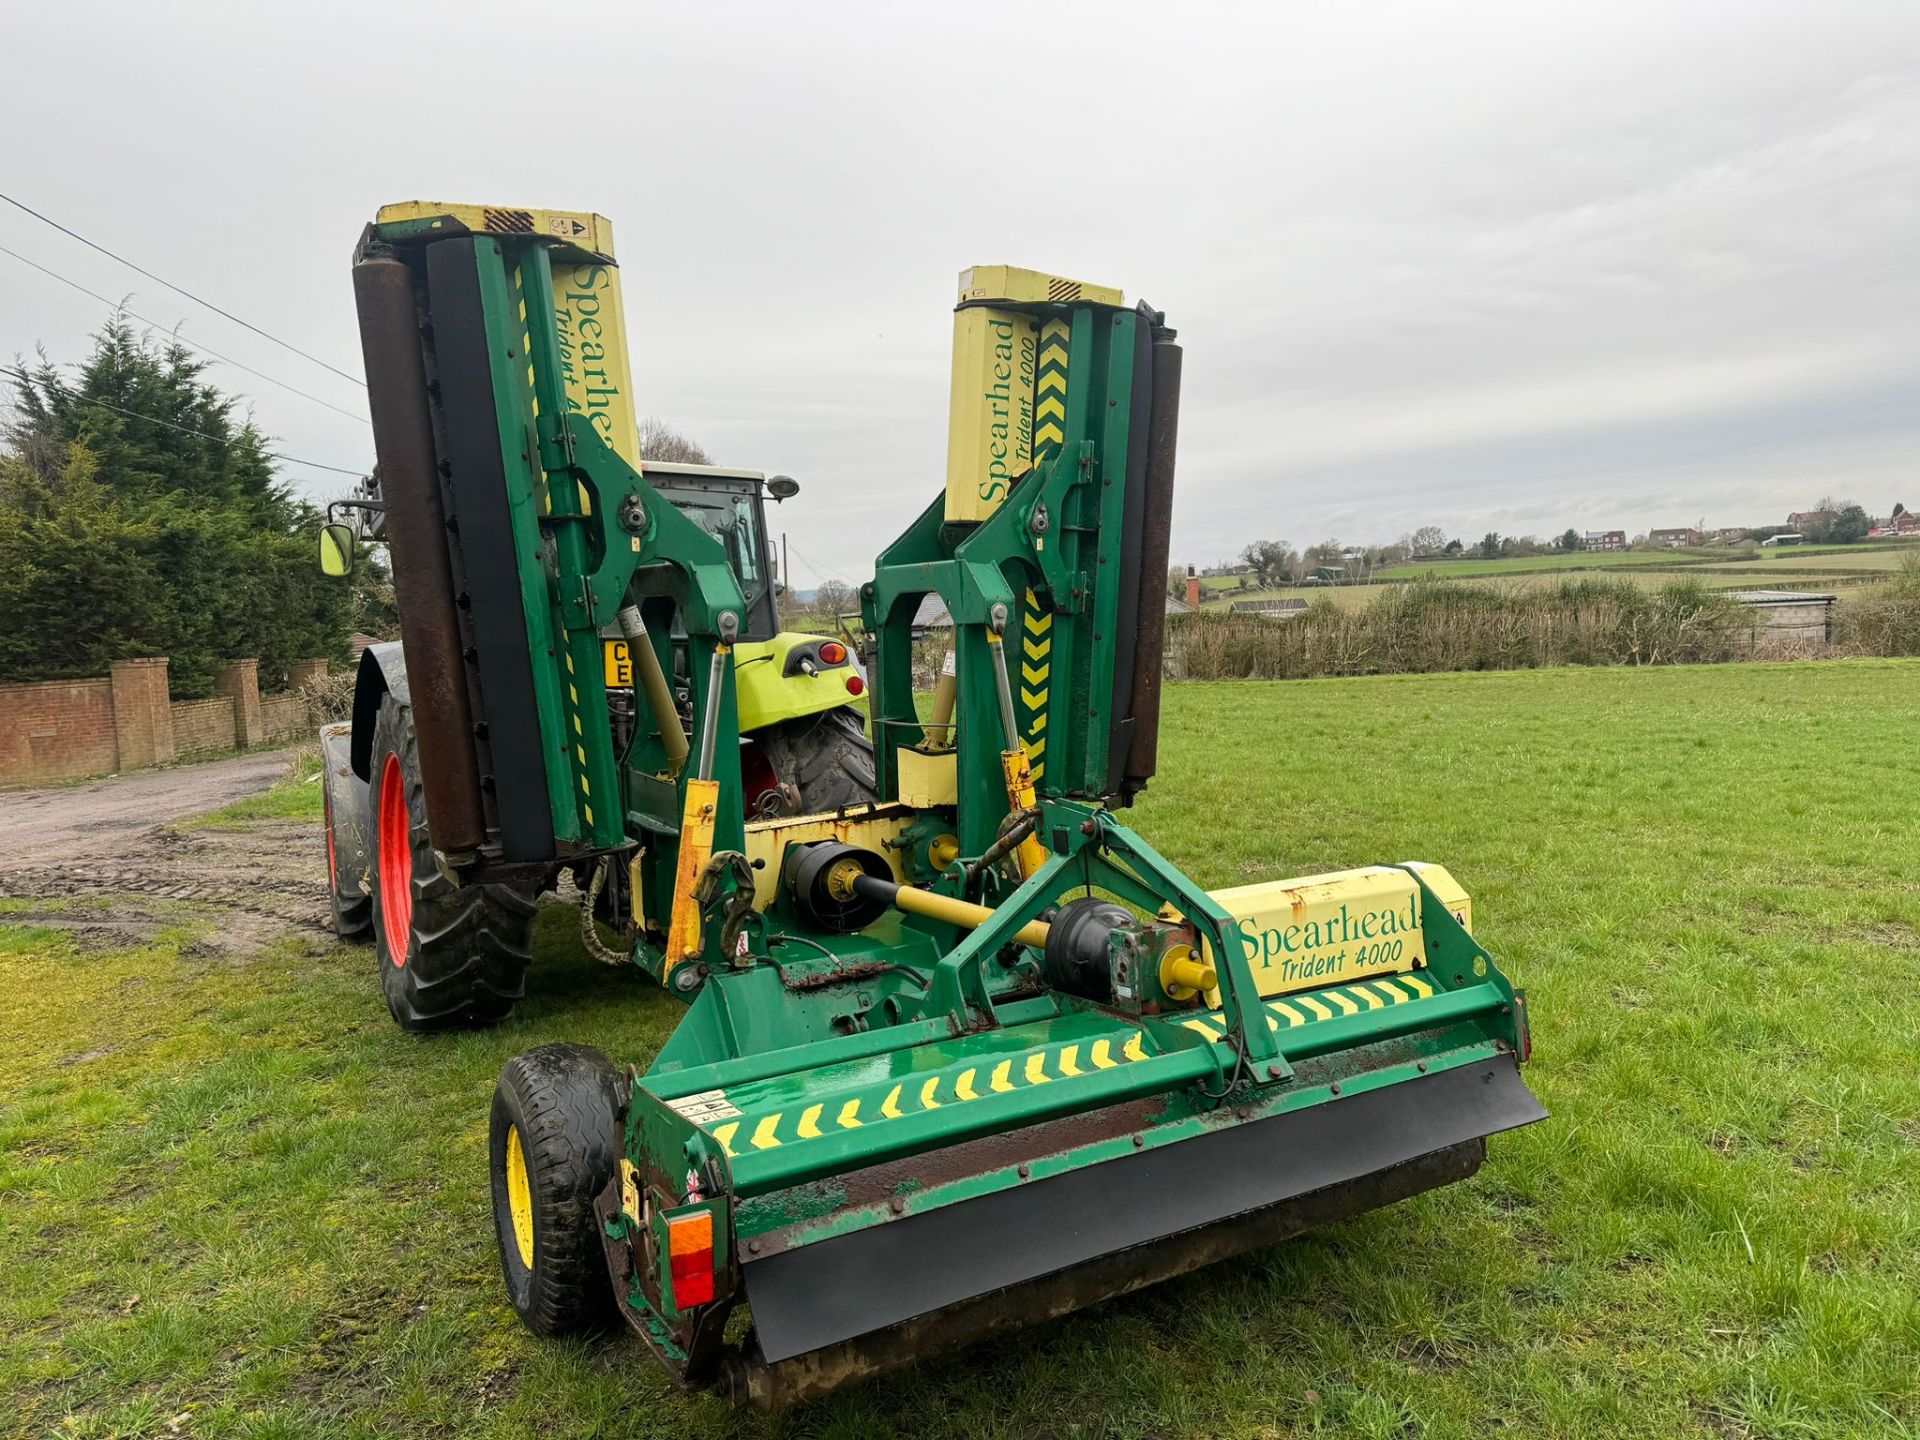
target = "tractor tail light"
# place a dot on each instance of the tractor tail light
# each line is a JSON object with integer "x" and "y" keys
{"x": 833, "y": 653}
{"x": 690, "y": 1258}
{"x": 855, "y": 685}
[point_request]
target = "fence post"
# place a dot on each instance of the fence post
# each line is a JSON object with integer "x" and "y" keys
{"x": 142, "y": 713}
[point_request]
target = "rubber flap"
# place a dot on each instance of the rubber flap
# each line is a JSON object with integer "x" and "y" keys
{"x": 835, "y": 1290}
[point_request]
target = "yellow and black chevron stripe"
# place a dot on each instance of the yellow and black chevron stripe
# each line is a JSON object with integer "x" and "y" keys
{"x": 774, "y": 1128}
{"x": 1050, "y": 391}
{"x": 1303, "y": 1009}
{"x": 1036, "y": 677}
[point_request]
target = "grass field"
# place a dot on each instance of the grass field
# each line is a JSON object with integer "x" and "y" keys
{"x": 235, "y": 1201}
{"x": 1854, "y": 569}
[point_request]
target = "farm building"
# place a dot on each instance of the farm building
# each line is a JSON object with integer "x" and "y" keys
{"x": 1269, "y": 609}
{"x": 1786, "y": 619}
{"x": 1674, "y": 539}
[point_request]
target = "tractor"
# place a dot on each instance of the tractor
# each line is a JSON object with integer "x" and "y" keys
{"x": 955, "y": 1058}
{"x": 457, "y": 956}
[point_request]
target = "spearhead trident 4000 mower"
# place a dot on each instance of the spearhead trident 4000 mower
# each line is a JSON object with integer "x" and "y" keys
{"x": 965, "y": 1057}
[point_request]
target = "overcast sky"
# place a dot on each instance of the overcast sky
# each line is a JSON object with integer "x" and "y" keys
{"x": 1488, "y": 266}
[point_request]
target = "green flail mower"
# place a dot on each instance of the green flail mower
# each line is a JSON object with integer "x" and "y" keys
{"x": 968, "y": 1055}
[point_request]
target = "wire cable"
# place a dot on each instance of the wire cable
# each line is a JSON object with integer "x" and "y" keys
{"x": 158, "y": 280}
{"x": 180, "y": 340}
{"x": 183, "y": 429}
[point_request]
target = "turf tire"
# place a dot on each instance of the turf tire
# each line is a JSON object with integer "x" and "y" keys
{"x": 451, "y": 956}
{"x": 826, "y": 757}
{"x": 561, "y": 1102}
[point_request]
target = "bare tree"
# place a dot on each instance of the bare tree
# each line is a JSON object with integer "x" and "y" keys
{"x": 660, "y": 441}
{"x": 1428, "y": 540}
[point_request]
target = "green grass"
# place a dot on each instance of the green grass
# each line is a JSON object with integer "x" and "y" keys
{"x": 235, "y": 1191}
{"x": 295, "y": 797}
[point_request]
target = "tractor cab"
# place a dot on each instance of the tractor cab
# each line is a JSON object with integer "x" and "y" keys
{"x": 730, "y": 505}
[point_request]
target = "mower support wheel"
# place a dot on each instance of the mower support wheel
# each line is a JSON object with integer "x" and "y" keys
{"x": 552, "y": 1149}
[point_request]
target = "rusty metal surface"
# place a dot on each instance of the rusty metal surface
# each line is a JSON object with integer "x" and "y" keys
{"x": 876, "y": 1185}
{"x": 416, "y": 529}
{"x": 746, "y": 1379}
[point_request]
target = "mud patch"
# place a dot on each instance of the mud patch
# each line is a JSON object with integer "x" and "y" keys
{"x": 241, "y": 886}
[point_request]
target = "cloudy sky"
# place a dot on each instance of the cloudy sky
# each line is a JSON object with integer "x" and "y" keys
{"x": 1506, "y": 266}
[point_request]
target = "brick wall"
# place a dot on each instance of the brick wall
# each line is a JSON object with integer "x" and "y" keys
{"x": 57, "y": 731}
{"x": 66, "y": 729}
{"x": 201, "y": 726}
{"x": 283, "y": 718}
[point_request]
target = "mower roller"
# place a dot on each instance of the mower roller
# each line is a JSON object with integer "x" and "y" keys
{"x": 966, "y": 1057}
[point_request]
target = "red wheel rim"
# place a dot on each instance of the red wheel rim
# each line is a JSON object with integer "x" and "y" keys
{"x": 396, "y": 862}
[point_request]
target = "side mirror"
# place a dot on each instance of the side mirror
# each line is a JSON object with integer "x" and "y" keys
{"x": 783, "y": 487}
{"x": 336, "y": 549}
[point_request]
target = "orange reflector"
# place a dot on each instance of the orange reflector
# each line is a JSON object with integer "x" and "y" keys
{"x": 855, "y": 685}
{"x": 690, "y": 1257}
{"x": 833, "y": 653}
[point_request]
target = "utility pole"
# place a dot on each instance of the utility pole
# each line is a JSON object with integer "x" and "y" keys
{"x": 786, "y": 571}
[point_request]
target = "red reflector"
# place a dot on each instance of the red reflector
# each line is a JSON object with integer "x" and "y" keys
{"x": 690, "y": 1259}
{"x": 855, "y": 685}
{"x": 833, "y": 653}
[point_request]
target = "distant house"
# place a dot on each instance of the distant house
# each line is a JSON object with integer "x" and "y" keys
{"x": 1674, "y": 539}
{"x": 1809, "y": 519}
{"x": 1604, "y": 540}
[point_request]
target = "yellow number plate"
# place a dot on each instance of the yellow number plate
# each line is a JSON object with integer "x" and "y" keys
{"x": 617, "y": 661}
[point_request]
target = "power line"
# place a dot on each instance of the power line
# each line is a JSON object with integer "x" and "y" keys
{"x": 183, "y": 429}
{"x": 91, "y": 245}
{"x": 191, "y": 345}
{"x": 820, "y": 571}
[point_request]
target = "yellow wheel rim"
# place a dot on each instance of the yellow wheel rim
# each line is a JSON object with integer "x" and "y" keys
{"x": 519, "y": 1197}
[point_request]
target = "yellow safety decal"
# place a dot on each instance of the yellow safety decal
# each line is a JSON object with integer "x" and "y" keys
{"x": 1320, "y": 1012}
{"x": 1200, "y": 1027}
{"x": 1038, "y": 1067}
{"x": 1347, "y": 1007}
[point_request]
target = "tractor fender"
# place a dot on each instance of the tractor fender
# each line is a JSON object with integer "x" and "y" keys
{"x": 349, "y": 808}
{"x": 383, "y": 672}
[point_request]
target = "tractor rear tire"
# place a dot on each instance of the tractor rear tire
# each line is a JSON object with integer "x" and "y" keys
{"x": 352, "y": 907}
{"x": 827, "y": 758}
{"x": 552, "y": 1147}
{"x": 451, "y": 956}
